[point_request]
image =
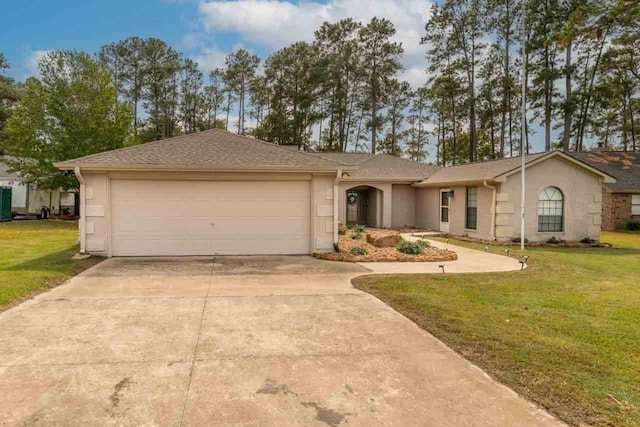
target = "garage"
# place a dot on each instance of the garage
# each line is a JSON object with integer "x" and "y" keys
{"x": 206, "y": 193}
{"x": 156, "y": 217}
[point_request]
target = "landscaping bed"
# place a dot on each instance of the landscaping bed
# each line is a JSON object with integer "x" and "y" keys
{"x": 550, "y": 243}
{"x": 367, "y": 252}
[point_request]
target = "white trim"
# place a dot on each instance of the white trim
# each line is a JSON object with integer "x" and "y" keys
{"x": 82, "y": 224}
{"x": 440, "y": 207}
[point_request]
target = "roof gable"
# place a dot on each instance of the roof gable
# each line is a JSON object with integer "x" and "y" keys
{"x": 492, "y": 170}
{"x": 213, "y": 149}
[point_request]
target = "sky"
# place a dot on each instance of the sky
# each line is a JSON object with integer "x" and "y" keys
{"x": 204, "y": 30}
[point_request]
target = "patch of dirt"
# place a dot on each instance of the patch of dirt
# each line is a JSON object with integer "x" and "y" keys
{"x": 374, "y": 254}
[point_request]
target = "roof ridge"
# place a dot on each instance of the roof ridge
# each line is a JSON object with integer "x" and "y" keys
{"x": 129, "y": 147}
{"x": 280, "y": 147}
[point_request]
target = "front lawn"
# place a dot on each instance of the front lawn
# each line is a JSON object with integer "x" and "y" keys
{"x": 35, "y": 256}
{"x": 565, "y": 333}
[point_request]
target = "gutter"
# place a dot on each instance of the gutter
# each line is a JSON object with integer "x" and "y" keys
{"x": 493, "y": 209}
{"x": 83, "y": 207}
{"x": 335, "y": 206}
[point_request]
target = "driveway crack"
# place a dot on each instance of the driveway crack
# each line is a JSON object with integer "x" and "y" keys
{"x": 195, "y": 350}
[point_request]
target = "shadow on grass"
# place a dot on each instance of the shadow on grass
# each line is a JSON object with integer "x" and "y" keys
{"x": 57, "y": 262}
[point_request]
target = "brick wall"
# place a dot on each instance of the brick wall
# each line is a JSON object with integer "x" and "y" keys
{"x": 616, "y": 209}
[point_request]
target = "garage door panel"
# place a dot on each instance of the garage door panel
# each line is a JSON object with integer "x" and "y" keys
{"x": 210, "y": 217}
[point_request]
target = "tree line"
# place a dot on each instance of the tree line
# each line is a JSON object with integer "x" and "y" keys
{"x": 581, "y": 74}
{"x": 342, "y": 91}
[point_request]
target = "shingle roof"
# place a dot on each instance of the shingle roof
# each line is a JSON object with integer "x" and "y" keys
{"x": 213, "y": 149}
{"x": 479, "y": 171}
{"x": 624, "y": 166}
{"x": 382, "y": 166}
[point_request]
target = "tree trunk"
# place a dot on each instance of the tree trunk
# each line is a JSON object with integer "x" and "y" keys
{"x": 374, "y": 115}
{"x": 568, "y": 107}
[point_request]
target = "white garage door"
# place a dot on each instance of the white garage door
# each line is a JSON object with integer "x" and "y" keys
{"x": 209, "y": 217}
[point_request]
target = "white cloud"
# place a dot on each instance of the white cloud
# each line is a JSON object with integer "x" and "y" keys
{"x": 31, "y": 60}
{"x": 210, "y": 58}
{"x": 277, "y": 23}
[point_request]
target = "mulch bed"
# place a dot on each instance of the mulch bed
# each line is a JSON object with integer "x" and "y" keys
{"x": 561, "y": 244}
{"x": 375, "y": 254}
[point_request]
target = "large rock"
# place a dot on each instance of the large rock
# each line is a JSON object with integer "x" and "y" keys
{"x": 383, "y": 239}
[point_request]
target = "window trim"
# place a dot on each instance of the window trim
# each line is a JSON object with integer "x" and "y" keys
{"x": 562, "y": 217}
{"x": 466, "y": 210}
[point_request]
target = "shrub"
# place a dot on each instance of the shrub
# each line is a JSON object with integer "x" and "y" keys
{"x": 517, "y": 239}
{"x": 423, "y": 243}
{"x": 357, "y": 228}
{"x": 632, "y": 225}
{"x": 587, "y": 241}
{"x": 342, "y": 230}
{"x": 356, "y": 235}
{"x": 553, "y": 241}
{"x": 412, "y": 248}
{"x": 358, "y": 250}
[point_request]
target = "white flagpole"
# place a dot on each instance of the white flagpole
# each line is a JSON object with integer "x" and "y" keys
{"x": 523, "y": 133}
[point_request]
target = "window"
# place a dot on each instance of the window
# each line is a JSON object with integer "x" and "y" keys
{"x": 472, "y": 208}
{"x": 550, "y": 210}
{"x": 635, "y": 204}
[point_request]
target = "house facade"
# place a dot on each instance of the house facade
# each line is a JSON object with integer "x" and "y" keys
{"x": 215, "y": 192}
{"x": 620, "y": 200}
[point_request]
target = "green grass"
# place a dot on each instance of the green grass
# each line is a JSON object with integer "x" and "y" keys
{"x": 622, "y": 239}
{"x": 35, "y": 256}
{"x": 565, "y": 332}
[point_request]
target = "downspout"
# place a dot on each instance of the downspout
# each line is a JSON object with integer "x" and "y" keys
{"x": 493, "y": 210}
{"x": 335, "y": 207}
{"x": 83, "y": 217}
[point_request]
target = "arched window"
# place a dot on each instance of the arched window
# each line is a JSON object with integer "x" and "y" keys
{"x": 550, "y": 210}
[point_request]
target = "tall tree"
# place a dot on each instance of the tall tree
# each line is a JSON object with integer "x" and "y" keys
{"x": 71, "y": 112}
{"x": 380, "y": 58}
{"x": 398, "y": 95}
{"x": 214, "y": 96}
{"x": 9, "y": 95}
{"x": 190, "y": 95}
{"x": 240, "y": 72}
{"x": 338, "y": 46}
{"x": 418, "y": 121}
{"x": 161, "y": 65}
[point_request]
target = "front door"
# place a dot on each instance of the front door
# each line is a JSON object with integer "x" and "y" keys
{"x": 444, "y": 210}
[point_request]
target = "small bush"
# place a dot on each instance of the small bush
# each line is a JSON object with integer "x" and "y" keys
{"x": 342, "y": 230}
{"x": 517, "y": 239}
{"x": 358, "y": 250}
{"x": 357, "y": 228}
{"x": 412, "y": 248}
{"x": 423, "y": 243}
{"x": 587, "y": 241}
{"x": 356, "y": 235}
{"x": 632, "y": 225}
{"x": 553, "y": 241}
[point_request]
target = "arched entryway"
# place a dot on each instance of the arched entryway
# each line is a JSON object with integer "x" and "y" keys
{"x": 364, "y": 206}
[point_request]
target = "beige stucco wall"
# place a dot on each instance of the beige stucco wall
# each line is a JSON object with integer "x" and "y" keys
{"x": 403, "y": 209}
{"x": 384, "y": 203}
{"x": 97, "y": 209}
{"x": 428, "y": 210}
{"x": 582, "y": 202}
{"x": 458, "y": 212}
{"x": 427, "y": 206}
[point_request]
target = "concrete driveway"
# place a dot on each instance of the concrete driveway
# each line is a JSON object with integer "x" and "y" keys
{"x": 244, "y": 341}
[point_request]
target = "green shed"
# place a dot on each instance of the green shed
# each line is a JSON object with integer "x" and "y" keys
{"x": 5, "y": 204}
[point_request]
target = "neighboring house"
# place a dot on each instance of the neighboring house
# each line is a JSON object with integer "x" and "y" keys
{"x": 620, "y": 200}
{"x": 215, "y": 192}
{"x": 29, "y": 199}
